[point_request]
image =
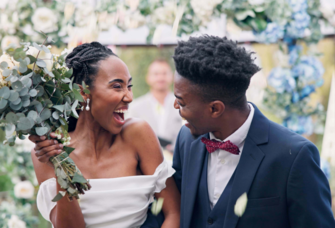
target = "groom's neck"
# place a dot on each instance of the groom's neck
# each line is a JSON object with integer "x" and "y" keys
{"x": 232, "y": 120}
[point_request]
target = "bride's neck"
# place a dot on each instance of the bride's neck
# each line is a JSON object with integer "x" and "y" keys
{"x": 89, "y": 137}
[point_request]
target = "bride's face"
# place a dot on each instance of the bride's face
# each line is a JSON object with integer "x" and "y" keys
{"x": 111, "y": 94}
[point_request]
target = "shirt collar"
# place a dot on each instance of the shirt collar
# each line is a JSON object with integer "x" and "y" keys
{"x": 239, "y": 136}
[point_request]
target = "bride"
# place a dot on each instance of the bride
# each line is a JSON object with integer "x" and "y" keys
{"x": 121, "y": 158}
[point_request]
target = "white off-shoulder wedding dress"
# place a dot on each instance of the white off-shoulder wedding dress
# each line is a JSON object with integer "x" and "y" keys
{"x": 114, "y": 202}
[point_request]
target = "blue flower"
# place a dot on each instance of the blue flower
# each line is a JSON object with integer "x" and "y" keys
{"x": 294, "y": 54}
{"x": 308, "y": 70}
{"x": 295, "y": 97}
{"x": 299, "y": 124}
{"x": 298, "y": 5}
{"x": 306, "y": 91}
{"x": 281, "y": 80}
{"x": 325, "y": 167}
{"x": 271, "y": 34}
{"x": 297, "y": 27}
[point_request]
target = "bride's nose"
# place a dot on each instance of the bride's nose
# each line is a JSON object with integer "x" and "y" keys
{"x": 128, "y": 97}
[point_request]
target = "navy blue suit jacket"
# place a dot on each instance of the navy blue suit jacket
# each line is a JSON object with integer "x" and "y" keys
{"x": 279, "y": 170}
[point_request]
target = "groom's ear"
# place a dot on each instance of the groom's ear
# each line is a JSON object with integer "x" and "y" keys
{"x": 217, "y": 108}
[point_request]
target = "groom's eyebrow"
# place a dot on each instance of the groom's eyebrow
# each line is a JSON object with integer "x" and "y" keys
{"x": 180, "y": 98}
{"x": 120, "y": 80}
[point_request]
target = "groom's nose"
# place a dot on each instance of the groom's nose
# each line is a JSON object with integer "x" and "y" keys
{"x": 176, "y": 105}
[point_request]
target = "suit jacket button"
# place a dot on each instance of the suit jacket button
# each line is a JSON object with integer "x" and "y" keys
{"x": 210, "y": 221}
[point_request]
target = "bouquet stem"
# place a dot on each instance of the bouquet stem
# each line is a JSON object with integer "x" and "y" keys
{"x": 69, "y": 177}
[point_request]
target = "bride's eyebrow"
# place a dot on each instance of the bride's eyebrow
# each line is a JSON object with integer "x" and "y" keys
{"x": 119, "y": 80}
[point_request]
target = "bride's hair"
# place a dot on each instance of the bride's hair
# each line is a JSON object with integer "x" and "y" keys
{"x": 84, "y": 60}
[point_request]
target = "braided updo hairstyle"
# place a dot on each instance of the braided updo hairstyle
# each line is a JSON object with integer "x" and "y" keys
{"x": 84, "y": 60}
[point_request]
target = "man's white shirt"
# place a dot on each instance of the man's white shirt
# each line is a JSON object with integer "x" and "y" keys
{"x": 222, "y": 164}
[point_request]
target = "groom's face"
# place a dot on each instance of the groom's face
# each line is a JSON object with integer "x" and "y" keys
{"x": 191, "y": 106}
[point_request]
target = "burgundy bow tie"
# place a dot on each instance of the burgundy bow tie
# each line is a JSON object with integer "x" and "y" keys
{"x": 213, "y": 145}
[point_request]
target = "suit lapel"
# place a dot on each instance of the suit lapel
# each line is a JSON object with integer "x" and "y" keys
{"x": 193, "y": 171}
{"x": 251, "y": 159}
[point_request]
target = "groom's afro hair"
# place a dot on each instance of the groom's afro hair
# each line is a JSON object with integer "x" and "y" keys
{"x": 219, "y": 67}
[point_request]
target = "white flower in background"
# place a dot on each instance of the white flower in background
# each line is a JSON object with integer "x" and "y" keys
{"x": 7, "y": 40}
{"x": 11, "y": 63}
{"x": 133, "y": 4}
{"x": 83, "y": 15}
{"x": 256, "y": 2}
{"x": 3, "y": 4}
{"x": 6, "y": 25}
{"x": 24, "y": 145}
{"x": 204, "y": 9}
{"x": 332, "y": 20}
{"x": 15, "y": 222}
{"x": 133, "y": 20}
{"x": 46, "y": 57}
{"x": 241, "y": 204}
{"x": 107, "y": 20}
{"x": 24, "y": 190}
{"x": 69, "y": 10}
{"x": 165, "y": 14}
{"x": 326, "y": 11}
{"x": 44, "y": 20}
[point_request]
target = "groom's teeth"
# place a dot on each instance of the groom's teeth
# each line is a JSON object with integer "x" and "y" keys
{"x": 121, "y": 111}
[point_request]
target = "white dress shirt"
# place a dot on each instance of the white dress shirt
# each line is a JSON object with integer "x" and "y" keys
{"x": 222, "y": 164}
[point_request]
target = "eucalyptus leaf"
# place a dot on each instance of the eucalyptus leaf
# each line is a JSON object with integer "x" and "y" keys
{"x": 36, "y": 79}
{"x": 23, "y": 68}
{"x": 41, "y": 130}
{"x": 3, "y": 65}
{"x": 55, "y": 115}
{"x": 73, "y": 108}
{"x": 12, "y": 78}
{"x": 59, "y": 196}
{"x": 23, "y": 92}
{"x": 66, "y": 80}
{"x": 26, "y": 103}
{"x": 5, "y": 92}
{"x": 69, "y": 73}
{"x": 17, "y": 85}
{"x": 26, "y": 81}
{"x": 13, "y": 96}
{"x": 41, "y": 63}
{"x": 11, "y": 117}
{"x": 45, "y": 49}
{"x": 68, "y": 150}
{"x": 62, "y": 183}
{"x": 87, "y": 91}
{"x": 32, "y": 59}
{"x": 45, "y": 114}
{"x": 38, "y": 47}
{"x": 3, "y": 103}
{"x": 9, "y": 129}
{"x": 20, "y": 114}
{"x": 77, "y": 95}
{"x": 25, "y": 123}
{"x": 77, "y": 178}
{"x": 25, "y": 97}
{"x": 6, "y": 72}
{"x": 33, "y": 93}
{"x": 16, "y": 102}
{"x": 40, "y": 91}
{"x": 33, "y": 114}
{"x": 15, "y": 107}
{"x": 59, "y": 107}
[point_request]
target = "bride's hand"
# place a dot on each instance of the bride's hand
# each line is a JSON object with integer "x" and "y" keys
{"x": 45, "y": 149}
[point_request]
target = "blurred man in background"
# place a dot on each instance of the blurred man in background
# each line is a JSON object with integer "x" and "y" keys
{"x": 156, "y": 107}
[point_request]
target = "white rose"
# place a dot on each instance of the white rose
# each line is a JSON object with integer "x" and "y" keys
{"x": 46, "y": 57}
{"x": 6, "y": 25}
{"x": 44, "y": 20}
{"x": 204, "y": 9}
{"x": 83, "y": 15}
{"x": 165, "y": 14}
{"x": 69, "y": 10}
{"x": 241, "y": 204}
{"x": 106, "y": 20}
{"x": 24, "y": 190}
{"x": 133, "y": 20}
{"x": 326, "y": 11}
{"x": 15, "y": 222}
{"x": 332, "y": 20}
{"x": 256, "y": 2}
{"x": 11, "y": 63}
{"x": 7, "y": 40}
{"x": 3, "y": 4}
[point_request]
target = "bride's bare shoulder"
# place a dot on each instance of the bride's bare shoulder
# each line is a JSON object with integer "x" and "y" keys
{"x": 137, "y": 130}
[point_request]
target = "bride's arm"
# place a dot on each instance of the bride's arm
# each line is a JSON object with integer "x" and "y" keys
{"x": 65, "y": 214}
{"x": 150, "y": 157}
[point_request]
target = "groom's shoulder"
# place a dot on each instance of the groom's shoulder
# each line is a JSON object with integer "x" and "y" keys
{"x": 281, "y": 137}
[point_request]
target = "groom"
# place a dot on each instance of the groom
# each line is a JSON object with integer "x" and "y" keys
{"x": 228, "y": 147}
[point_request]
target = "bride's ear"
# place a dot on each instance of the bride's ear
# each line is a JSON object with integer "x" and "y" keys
{"x": 82, "y": 92}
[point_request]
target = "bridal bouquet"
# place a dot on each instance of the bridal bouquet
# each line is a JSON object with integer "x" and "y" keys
{"x": 37, "y": 96}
